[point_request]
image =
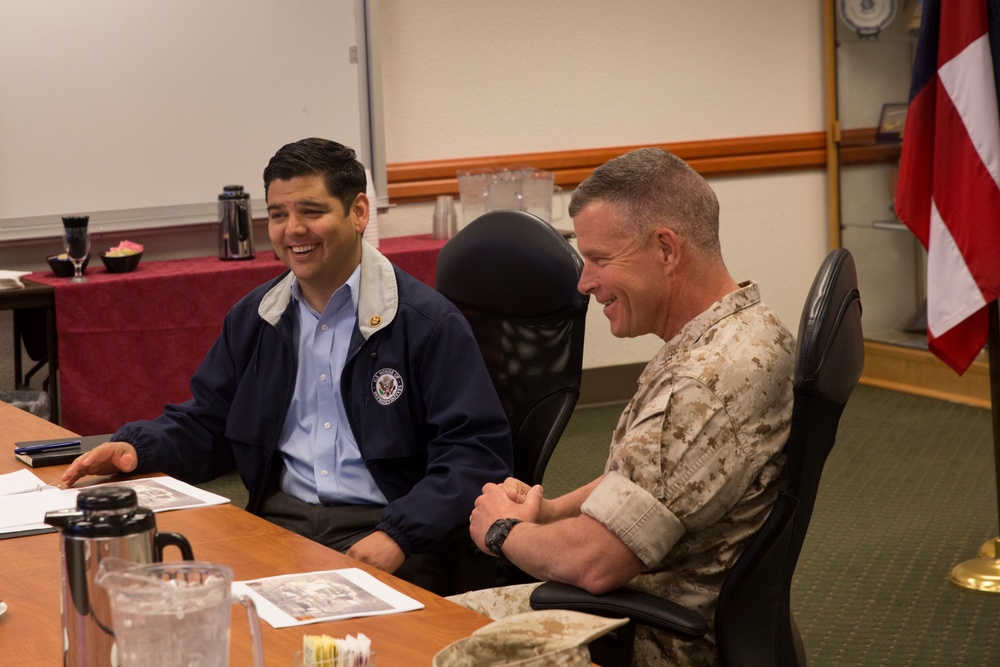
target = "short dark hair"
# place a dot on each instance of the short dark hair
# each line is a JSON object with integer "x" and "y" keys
{"x": 343, "y": 175}
{"x": 649, "y": 188}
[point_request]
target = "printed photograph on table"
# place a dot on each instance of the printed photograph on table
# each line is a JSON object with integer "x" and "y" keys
{"x": 311, "y": 597}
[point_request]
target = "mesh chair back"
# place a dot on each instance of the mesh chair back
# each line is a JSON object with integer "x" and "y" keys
{"x": 514, "y": 278}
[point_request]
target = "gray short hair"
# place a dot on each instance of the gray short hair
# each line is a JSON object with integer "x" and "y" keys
{"x": 650, "y": 188}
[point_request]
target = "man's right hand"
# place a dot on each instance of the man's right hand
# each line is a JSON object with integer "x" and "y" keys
{"x": 105, "y": 459}
{"x": 518, "y": 492}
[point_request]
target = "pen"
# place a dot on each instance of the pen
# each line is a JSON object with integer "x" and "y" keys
{"x": 34, "y": 449}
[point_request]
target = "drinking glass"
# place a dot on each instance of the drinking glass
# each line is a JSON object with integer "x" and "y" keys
{"x": 473, "y": 186}
{"x": 176, "y": 613}
{"x": 76, "y": 241}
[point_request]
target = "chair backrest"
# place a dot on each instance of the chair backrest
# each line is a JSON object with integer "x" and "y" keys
{"x": 514, "y": 278}
{"x": 754, "y": 624}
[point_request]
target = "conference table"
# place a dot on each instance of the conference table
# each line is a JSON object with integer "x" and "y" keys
{"x": 128, "y": 343}
{"x": 31, "y": 628}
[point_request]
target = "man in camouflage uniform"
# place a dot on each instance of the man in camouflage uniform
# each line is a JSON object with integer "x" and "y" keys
{"x": 695, "y": 459}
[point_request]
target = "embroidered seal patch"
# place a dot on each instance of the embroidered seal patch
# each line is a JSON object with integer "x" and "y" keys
{"x": 387, "y": 386}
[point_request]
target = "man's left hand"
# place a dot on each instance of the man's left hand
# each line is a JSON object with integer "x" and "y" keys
{"x": 378, "y": 550}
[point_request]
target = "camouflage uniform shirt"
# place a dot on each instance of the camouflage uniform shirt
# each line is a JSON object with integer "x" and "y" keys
{"x": 693, "y": 465}
{"x": 694, "y": 461}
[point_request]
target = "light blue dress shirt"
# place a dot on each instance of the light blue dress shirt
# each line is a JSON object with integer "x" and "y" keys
{"x": 323, "y": 464}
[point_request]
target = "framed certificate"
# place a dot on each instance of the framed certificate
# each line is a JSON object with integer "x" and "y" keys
{"x": 891, "y": 123}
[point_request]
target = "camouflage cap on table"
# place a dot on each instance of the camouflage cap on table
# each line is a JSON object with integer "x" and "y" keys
{"x": 551, "y": 638}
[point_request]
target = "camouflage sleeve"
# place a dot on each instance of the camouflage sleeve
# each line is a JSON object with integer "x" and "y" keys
{"x": 639, "y": 520}
{"x": 679, "y": 468}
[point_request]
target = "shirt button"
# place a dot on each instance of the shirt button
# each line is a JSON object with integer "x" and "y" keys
{"x": 326, "y": 425}
{"x": 324, "y": 473}
{"x": 322, "y": 378}
{"x": 324, "y": 327}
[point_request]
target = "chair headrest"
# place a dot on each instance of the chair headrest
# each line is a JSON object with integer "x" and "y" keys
{"x": 512, "y": 263}
{"x": 830, "y": 347}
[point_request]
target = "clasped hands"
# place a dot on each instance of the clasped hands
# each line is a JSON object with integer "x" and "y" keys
{"x": 512, "y": 499}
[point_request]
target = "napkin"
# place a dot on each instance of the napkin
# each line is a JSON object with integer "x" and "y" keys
{"x": 12, "y": 279}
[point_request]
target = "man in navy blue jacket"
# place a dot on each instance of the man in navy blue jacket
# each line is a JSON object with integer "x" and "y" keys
{"x": 351, "y": 397}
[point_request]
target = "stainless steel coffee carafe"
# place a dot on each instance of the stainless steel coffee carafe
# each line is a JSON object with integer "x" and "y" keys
{"x": 235, "y": 224}
{"x": 107, "y": 523}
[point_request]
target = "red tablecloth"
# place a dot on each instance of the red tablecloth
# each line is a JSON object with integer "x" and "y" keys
{"x": 130, "y": 342}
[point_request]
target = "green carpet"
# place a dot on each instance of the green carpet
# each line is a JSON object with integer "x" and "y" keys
{"x": 909, "y": 491}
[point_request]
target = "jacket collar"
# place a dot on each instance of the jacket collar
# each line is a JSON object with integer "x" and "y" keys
{"x": 378, "y": 300}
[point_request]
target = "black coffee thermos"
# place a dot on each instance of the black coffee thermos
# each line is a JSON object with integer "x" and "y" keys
{"x": 235, "y": 224}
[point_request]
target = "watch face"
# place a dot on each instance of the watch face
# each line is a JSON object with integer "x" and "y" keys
{"x": 492, "y": 533}
{"x": 866, "y": 17}
{"x": 494, "y": 537}
{"x": 497, "y": 533}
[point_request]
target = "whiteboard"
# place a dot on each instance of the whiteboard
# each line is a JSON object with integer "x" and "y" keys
{"x": 138, "y": 112}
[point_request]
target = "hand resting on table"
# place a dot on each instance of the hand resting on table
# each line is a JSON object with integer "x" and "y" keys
{"x": 105, "y": 459}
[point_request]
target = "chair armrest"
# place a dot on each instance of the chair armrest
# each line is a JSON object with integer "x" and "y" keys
{"x": 641, "y": 607}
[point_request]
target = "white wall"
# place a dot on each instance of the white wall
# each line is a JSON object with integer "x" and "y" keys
{"x": 475, "y": 77}
{"x": 479, "y": 77}
{"x": 491, "y": 78}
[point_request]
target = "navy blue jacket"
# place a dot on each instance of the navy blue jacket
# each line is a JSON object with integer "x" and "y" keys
{"x": 430, "y": 447}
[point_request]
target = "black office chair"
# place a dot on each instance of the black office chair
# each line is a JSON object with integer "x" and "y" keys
{"x": 514, "y": 278}
{"x": 754, "y": 625}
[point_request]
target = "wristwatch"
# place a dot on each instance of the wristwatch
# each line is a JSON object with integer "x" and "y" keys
{"x": 497, "y": 533}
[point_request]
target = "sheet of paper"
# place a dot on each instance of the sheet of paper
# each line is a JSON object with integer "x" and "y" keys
{"x": 161, "y": 494}
{"x": 22, "y": 481}
{"x": 27, "y": 511}
{"x": 12, "y": 279}
{"x": 300, "y": 599}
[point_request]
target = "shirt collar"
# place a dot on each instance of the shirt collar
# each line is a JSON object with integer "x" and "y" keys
{"x": 351, "y": 286}
{"x": 747, "y": 295}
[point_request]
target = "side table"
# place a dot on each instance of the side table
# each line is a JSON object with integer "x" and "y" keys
{"x": 34, "y": 317}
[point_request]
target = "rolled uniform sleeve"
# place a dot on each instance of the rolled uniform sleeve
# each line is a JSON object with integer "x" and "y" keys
{"x": 677, "y": 466}
{"x": 639, "y": 520}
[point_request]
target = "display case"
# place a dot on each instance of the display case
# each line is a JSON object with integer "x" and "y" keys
{"x": 873, "y": 74}
{"x": 870, "y": 47}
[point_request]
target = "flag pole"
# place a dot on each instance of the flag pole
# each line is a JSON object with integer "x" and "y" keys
{"x": 983, "y": 573}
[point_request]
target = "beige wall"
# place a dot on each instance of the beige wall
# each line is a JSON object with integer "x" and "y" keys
{"x": 491, "y": 78}
{"x": 477, "y": 77}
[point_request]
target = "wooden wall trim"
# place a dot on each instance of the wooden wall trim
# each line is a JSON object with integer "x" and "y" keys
{"x": 418, "y": 181}
{"x": 920, "y": 372}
